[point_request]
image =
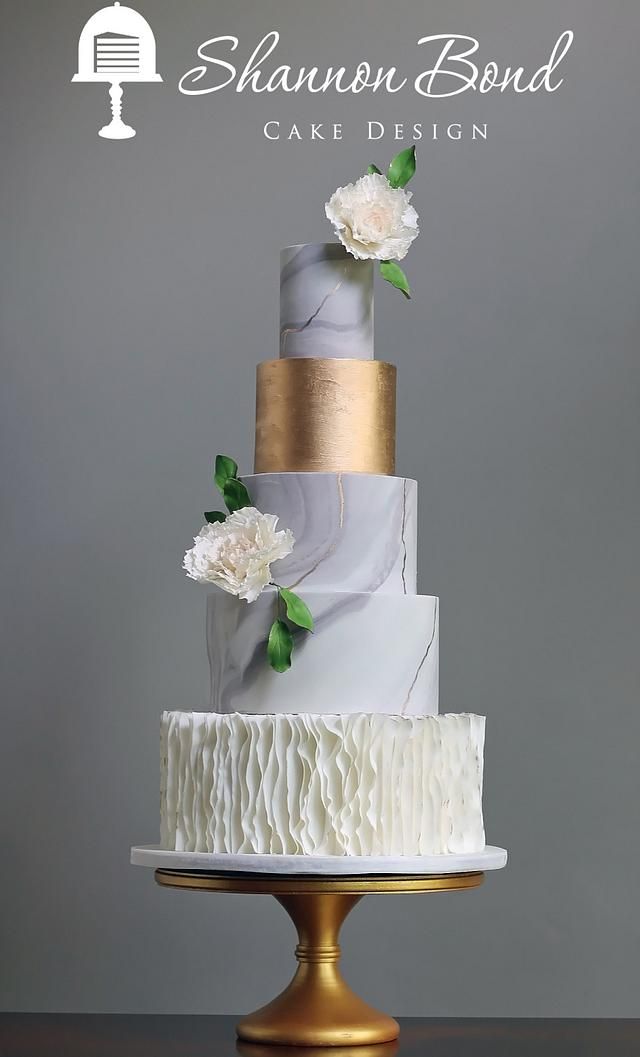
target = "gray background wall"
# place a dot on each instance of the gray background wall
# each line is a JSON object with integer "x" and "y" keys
{"x": 138, "y": 293}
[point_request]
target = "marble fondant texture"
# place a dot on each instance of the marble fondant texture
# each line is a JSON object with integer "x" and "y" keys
{"x": 353, "y": 532}
{"x": 367, "y": 653}
{"x": 326, "y": 303}
{"x": 322, "y": 785}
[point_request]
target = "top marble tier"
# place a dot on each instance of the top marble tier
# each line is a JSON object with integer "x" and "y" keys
{"x": 326, "y": 303}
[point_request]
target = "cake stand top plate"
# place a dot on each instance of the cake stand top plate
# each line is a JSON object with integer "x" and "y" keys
{"x": 152, "y": 856}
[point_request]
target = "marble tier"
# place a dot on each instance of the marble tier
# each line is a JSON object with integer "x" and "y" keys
{"x": 326, "y": 303}
{"x": 322, "y": 785}
{"x": 354, "y": 532}
{"x": 368, "y": 653}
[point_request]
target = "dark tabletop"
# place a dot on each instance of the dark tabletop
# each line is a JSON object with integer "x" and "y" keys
{"x": 80, "y": 1035}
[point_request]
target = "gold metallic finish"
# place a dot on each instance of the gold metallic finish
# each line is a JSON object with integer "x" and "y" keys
{"x": 284, "y": 884}
{"x": 327, "y": 416}
{"x": 318, "y": 1008}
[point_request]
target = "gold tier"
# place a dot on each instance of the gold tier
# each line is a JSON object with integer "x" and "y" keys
{"x": 332, "y": 416}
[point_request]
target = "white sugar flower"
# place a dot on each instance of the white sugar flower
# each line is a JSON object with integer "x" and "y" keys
{"x": 236, "y": 554}
{"x": 372, "y": 219}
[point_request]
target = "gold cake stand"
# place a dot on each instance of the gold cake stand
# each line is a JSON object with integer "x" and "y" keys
{"x": 317, "y": 1008}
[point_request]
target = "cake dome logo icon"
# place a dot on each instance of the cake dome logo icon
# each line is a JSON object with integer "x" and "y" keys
{"x": 116, "y": 46}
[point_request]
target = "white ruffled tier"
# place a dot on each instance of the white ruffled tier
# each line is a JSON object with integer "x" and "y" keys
{"x": 308, "y": 784}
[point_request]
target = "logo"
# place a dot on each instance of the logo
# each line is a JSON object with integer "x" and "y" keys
{"x": 116, "y": 46}
{"x": 443, "y": 66}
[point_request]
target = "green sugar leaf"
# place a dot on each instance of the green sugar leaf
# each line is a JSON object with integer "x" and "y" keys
{"x": 279, "y": 646}
{"x": 226, "y": 469}
{"x": 373, "y": 169}
{"x": 393, "y": 273}
{"x": 297, "y": 611}
{"x": 402, "y": 167}
{"x": 235, "y": 495}
{"x": 213, "y": 516}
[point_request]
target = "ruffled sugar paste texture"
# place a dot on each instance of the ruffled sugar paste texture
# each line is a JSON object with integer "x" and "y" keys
{"x": 367, "y": 653}
{"x": 322, "y": 785}
{"x": 353, "y": 531}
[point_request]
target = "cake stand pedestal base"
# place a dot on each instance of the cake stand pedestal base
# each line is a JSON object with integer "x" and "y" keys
{"x": 317, "y": 1008}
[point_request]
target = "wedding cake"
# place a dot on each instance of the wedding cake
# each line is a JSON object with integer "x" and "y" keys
{"x": 323, "y": 735}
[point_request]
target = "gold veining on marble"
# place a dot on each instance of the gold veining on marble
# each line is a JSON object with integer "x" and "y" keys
{"x": 332, "y": 416}
{"x": 284, "y": 334}
{"x": 426, "y": 654}
{"x": 332, "y": 548}
{"x": 403, "y": 537}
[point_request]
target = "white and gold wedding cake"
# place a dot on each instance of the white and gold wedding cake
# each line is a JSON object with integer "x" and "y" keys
{"x": 323, "y": 735}
{"x": 344, "y": 753}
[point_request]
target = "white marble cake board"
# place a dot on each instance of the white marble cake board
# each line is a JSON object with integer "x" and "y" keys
{"x": 153, "y": 856}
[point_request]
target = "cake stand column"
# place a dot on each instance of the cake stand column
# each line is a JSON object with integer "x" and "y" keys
{"x": 300, "y": 1015}
{"x": 116, "y": 129}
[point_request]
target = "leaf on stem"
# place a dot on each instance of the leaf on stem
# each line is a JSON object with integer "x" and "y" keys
{"x": 402, "y": 167}
{"x": 279, "y": 646}
{"x": 235, "y": 495}
{"x": 297, "y": 611}
{"x": 226, "y": 469}
{"x": 393, "y": 273}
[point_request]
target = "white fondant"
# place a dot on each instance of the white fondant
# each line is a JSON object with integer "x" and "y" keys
{"x": 367, "y": 653}
{"x": 326, "y": 303}
{"x": 157, "y": 858}
{"x": 353, "y": 531}
{"x": 321, "y": 785}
